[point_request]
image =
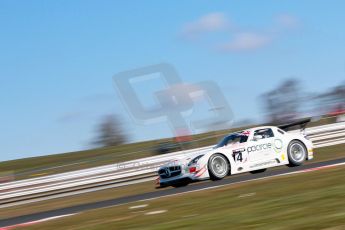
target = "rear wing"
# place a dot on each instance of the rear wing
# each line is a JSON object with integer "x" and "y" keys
{"x": 301, "y": 123}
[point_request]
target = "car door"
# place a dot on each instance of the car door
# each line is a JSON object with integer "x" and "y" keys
{"x": 260, "y": 148}
{"x": 238, "y": 154}
{"x": 234, "y": 147}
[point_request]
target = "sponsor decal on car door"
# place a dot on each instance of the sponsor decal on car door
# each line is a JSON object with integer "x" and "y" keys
{"x": 261, "y": 153}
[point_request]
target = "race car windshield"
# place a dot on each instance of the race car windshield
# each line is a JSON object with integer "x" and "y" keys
{"x": 232, "y": 139}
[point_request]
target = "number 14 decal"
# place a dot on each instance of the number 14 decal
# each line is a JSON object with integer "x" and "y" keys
{"x": 238, "y": 156}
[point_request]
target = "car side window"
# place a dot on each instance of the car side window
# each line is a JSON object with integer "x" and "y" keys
{"x": 264, "y": 133}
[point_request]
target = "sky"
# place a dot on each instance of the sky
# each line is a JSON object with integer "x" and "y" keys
{"x": 58, "y": 59}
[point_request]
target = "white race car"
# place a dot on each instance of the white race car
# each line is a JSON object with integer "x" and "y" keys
{"x": 253, "y": 150}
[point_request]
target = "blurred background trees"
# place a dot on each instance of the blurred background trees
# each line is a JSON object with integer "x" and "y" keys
{"x": 283, "y": 103}
{"x": 289, "y": 101}
{"x": 110, "y": 132}
{"x": 333, "y": 100}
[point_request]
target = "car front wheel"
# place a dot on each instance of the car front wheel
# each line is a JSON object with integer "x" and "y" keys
{"x": 218, "y": 167}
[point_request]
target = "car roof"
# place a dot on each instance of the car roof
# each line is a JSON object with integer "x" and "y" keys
{"x": 253, "y": 129}
{"x": 263, "y": 127}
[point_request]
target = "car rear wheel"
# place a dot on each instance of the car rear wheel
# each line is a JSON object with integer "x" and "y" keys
{"x": 297, "y": 153}
{"x": 218, "y": 167}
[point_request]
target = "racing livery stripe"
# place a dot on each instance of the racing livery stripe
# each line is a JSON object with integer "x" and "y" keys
{"x": 201, "y": 171}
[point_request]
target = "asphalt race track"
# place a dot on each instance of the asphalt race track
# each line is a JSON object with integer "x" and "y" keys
{"x": 160, "y": 193}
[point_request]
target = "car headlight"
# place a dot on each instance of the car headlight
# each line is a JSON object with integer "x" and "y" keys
{"x": 195, "y": 160}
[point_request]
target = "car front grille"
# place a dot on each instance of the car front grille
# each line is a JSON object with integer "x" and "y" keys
{"x": 169, "y": 172}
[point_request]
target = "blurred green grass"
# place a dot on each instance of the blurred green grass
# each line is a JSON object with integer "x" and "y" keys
{"x": 313, "y": 200}
{"x": 57, "y": 163}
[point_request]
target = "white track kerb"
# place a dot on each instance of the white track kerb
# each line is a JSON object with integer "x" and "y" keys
{"x": 126, "y": 172}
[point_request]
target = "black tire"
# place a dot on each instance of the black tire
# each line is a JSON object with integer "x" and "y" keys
{"x": 297, "y": 153}
{"x": 258, "y": 171}
{"x": 218, "y": 166}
